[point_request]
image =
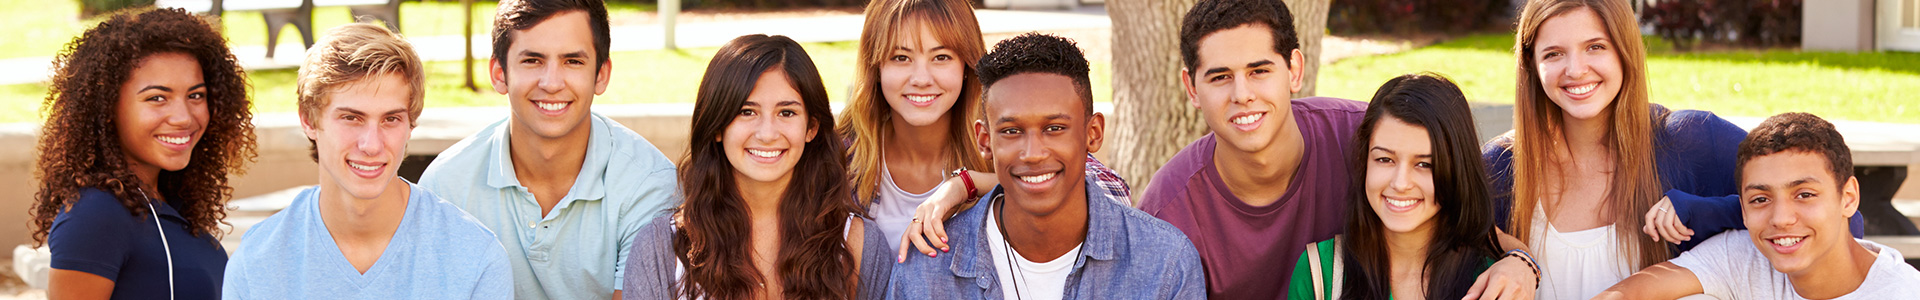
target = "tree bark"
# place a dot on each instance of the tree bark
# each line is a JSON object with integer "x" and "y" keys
{"x": 1310, "y": 24}
{"x": 1151, "y": 112}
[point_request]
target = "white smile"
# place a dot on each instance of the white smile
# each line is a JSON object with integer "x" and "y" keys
{"x": 1787, "y": 242}
{"x": 552, "y": 105}
{"x": 1248, "y": 119}
{"x": 175, "y": 140}
{"x": 1402, "y": 203}
{"x": 368, "y": 168}
{"x": 921, "y": 99}
{"x": 1037, "y": 178}
{"x": 1582, "y": 90}
{"x": 765, "y": 153}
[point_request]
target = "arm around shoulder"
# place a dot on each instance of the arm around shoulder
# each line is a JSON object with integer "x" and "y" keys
{"x": 1662, "y": 281}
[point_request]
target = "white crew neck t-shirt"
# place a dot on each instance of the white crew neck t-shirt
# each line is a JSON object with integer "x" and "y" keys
{"x": 1034, "y": 280}
{"x": 1729, "y": 267}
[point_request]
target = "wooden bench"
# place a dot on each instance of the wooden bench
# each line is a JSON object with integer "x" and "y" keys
{"x": 279, "y": 13}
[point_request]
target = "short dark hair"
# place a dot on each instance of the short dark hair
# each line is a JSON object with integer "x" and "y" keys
{"x": 514, "y": 15}
{"x": 1209, "y": 16}
{"x": 1037, "y": 53}
{"x": 1797, "y": 131}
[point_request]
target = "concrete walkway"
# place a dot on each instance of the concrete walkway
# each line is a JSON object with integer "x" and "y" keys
{"x": 640, "y": 37}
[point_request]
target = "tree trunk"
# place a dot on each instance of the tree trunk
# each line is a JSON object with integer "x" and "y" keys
{"x": 1310, "y": 24}
{"x": 1151, "y": 112}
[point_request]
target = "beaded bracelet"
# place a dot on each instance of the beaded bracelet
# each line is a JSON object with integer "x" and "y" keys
{"x": 1526, "y": 258}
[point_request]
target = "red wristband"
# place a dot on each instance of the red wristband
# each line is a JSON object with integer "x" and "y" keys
{"x": 966, "y": 178}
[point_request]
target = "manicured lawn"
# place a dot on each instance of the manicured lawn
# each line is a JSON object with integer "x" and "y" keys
{"x": 638, "y": 77}
{"x": 42, "y": 28}
{"x": 1877, "y": 87}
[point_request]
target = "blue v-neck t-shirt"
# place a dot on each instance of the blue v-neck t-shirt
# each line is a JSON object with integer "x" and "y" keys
{"x": 439, "y": 252}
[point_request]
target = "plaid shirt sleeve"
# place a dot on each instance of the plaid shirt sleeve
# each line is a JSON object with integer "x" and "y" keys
{"x": 1107, "y": 178}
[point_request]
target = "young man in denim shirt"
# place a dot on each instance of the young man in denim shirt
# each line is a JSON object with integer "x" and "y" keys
{"x": 1046, "y": 232}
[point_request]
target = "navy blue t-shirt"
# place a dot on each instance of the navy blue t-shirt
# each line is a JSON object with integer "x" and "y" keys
{"x": 99, "y": 236}
{"x": 1694, "y": 152}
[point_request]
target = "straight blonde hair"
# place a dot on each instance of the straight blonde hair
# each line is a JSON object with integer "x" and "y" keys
{"x": 1635, "y": 185}
{"x": 867, "y": 119}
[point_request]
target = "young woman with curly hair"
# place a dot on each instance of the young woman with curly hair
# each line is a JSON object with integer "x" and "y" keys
{"x": 147, "y": 115}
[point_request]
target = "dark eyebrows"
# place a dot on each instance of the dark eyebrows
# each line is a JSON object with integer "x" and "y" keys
{"x": 786, "y": 102}
{"x": 168, "y": 89}
{"x": 155, "y": 87}
{"x": 575, "y": 54}
{"x": 1256, "y": 64}
{"x": 1059, "y": 116}
{"x": 1798, "y": 182}
{"x": 1261, "y": 63}
{"x": 1391, "y": 152}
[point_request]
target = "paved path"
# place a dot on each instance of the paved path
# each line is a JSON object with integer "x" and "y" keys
{"x": 642, "y": 37}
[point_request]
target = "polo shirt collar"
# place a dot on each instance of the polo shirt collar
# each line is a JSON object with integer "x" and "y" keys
{"x": 593, "y": 168}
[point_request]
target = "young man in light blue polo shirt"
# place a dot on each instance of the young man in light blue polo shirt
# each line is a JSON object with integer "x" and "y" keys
{"x": 365, "y": 233}
{"x": 565, "y": 189}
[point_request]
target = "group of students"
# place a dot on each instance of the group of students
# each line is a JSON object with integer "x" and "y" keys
{"x": 978, "y": 160}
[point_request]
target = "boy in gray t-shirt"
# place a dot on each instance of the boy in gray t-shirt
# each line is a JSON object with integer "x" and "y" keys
{"x": 1796, "y": 192}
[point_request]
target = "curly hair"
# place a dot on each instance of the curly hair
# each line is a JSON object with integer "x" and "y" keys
{"x": 1038, "y": 53}
{"x": 78, "y": 148}
{"x": 1799, "y": 132}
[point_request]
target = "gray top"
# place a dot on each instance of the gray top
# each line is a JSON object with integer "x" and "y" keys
{"x": 652, "y": 271}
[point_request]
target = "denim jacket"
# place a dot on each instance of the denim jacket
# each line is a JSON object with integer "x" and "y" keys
{"x": 1127, "y": 254}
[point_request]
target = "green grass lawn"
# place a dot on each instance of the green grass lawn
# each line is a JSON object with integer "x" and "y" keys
{"x": 658, "y": 76}
{"x": 1875, "y": 87}
{"x": 638, "y": 77}
{"x": 42, "y": 28}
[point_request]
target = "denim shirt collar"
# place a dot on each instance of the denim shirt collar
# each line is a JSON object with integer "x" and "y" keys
{"x": 1104, "y": 235}
{"x": 586, "y": 185}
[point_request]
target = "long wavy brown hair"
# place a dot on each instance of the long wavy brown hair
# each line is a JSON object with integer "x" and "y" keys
{"x": 78, "y": 146}
{"x": 711, "y": 241}
{"x": 867, "y": 118}
{"x": 1539, "y": 136}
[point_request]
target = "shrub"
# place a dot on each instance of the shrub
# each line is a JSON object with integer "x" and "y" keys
{"x": 1751, "y": 23}
{"x": 1412, "y": 16}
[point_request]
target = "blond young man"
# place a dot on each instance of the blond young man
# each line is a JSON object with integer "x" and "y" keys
{"x": 365, "y": 233}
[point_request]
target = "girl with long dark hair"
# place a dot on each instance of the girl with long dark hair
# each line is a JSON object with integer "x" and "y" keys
{"x": 768, "y": 212}
{"x": 1421, "y": 227}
